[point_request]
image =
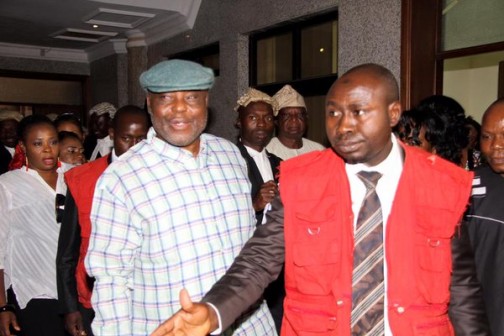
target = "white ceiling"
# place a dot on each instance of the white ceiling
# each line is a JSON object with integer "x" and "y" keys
{"x": 63, "y": 29}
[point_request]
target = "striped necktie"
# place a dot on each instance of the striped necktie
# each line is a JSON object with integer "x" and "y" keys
{"x": 367, "y": 279}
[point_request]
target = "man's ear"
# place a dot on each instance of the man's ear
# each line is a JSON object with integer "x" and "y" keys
{"x": 394, "y": 112}
{"x": 111, "y": 133}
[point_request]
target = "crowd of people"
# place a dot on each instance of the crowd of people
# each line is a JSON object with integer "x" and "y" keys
{"x": 143, "y": 224}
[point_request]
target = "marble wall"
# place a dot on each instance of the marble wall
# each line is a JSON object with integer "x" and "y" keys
{"x": 369, "y": 31}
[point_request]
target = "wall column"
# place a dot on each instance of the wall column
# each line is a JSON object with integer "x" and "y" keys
{"x": 137, "y": 63}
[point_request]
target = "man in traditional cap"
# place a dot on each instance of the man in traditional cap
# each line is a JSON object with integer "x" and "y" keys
{"x": 172, "y": 212}
{"x": 9, "y": 121}
{"x": 256, "y": 124}
{"x": 292, "y": 121}
{"x": 98, "y": 143}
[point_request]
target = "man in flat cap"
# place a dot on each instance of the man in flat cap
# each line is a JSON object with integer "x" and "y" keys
{"x": 171, "y": 213}
{"x": 292, "y": 121}
{"x": 9, "y": 121}
{"x": 256, "y": 124}
{"x": 98, "y": 143}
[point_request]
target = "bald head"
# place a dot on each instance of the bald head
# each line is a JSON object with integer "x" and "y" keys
{"x": 494, "y": 108}
{"x": 492, "y": 136}
{"x": 380, "y": 73}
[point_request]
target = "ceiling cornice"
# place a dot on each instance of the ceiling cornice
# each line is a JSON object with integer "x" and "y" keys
{"x": 43, "y": 53}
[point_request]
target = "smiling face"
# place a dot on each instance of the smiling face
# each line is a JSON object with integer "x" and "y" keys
{"x": 492, "y": 137}
{"x": 256, "y": 124}
{"x": 179, "y": 117}
{"x": 41, "y": 147}
{"x": 359, "y": 118}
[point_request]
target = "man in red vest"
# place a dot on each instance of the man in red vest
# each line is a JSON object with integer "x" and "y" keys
{"x": 129, "y": 126}
{"x": 400, "y": 281}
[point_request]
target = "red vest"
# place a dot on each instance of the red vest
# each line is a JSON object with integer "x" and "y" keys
{"x": 81, "y": 181}
{"x": 429, "y": 202}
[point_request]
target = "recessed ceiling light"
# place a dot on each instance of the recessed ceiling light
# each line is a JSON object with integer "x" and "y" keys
{"x": 321, "y": 50}
{"x": 95, "y": 26}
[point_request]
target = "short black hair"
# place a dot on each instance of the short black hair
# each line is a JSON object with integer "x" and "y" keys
{"x": 63, "y": 135}
{"x": 68, "y": 118}
{"x": 28, "y": 122}
{"x": 130, "y": 110}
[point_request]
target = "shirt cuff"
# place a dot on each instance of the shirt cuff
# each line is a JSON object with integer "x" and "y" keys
{"x": 219, "y": 329}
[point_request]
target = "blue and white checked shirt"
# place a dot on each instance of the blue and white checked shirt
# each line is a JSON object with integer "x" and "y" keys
{"x": 163, "y": 220}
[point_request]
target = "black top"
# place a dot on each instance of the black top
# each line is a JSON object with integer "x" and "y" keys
{"x": 485, "y": 223}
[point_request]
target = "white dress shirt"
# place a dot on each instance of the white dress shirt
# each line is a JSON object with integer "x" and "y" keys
{"x": 264, "y": 166}
{"x": 103, "y": 146}
{"x": 391, "y": 169}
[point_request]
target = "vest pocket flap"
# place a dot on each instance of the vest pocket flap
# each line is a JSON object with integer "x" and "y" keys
{"x": 317, "y": 211}
{"x": 320, "y": 254}
{"x": 310, "y": 318}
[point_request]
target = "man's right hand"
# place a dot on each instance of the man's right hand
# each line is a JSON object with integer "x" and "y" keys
{"x": 193, "y": 319}
{"x": 73, "y": 324}
{"x": 8, "y": 319}
{"x": 265, "y": 195}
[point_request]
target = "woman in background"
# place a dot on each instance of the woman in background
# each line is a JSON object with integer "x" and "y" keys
{"x": 30, "y": 200}
{"x": 71, "y": 150}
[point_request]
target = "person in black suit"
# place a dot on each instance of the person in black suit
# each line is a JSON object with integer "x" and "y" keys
{"x": 256, "y": 124}
{"x": 9, "y": 121}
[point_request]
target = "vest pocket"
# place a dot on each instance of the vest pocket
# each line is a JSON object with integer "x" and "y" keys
{"x": 309, "y": 317}
{"x": 316, "y": 248}
{"x": 434, "y": 230}
{"x": 316, "y": 266}
{"x": 434, "y": 267}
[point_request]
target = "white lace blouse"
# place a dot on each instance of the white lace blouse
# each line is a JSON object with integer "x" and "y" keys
{"x": 29, "y": 234}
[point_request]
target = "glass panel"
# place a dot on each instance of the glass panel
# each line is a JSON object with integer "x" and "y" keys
{"x": 471, "y": 23}
{"x": 473, "y": 81}
{"x": 319, "y": 54}
{"x": 274, "y": 59}
{"x": 315, "y": 106}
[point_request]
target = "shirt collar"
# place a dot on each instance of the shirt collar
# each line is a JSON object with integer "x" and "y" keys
{"x": 174, "y": 152}
{"x": 253, "y": 153}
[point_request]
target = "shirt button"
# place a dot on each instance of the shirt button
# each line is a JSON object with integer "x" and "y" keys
{"x": 339, "y": 302}
{"x": 400, "y": 310}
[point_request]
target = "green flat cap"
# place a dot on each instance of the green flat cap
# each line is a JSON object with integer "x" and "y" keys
{"x": 177, "y": 75}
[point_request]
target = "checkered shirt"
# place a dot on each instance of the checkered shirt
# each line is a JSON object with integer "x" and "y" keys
{"x": 163, "y": 220}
